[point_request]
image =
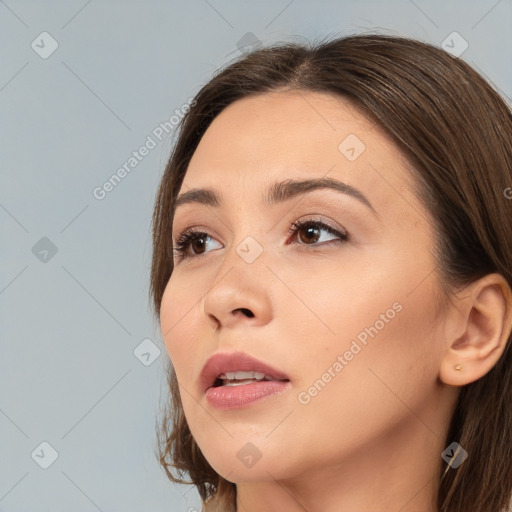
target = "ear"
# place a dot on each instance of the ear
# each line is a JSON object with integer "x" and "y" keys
{"x": 477, "y": 330}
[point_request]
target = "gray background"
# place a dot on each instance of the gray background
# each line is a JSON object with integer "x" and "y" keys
{"x": 71, "y": 321}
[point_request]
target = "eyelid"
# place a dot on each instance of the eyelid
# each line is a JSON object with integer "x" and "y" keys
{"x": 337, "y": 228}
{"x": 309, "y": 218}
{"x": 196, "y": 228}
{"x": 183, "y": 242}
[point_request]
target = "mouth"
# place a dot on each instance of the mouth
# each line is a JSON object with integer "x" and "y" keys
{"x": 239, "y": 378}
{"x": 237, "y": 369}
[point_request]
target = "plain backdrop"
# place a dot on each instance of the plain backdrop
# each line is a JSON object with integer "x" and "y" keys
{"x": 83, "y": 84}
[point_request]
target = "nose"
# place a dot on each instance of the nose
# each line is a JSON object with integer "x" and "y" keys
{"x": 238, "y": 296}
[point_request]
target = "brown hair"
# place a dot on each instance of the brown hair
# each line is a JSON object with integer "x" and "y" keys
{"x": 456, "y": 131}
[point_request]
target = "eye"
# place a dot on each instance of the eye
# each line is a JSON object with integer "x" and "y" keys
{"x": 192, "y": 243}
{"x": 190, "y": 239}
{"x": 310, "y": 233}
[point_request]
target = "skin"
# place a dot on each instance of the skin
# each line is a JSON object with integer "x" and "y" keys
{"x": 371, "y": 439}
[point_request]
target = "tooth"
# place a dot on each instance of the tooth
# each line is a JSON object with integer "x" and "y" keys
{"x": 244, "y": 375}
{"x": 235, "y": 383}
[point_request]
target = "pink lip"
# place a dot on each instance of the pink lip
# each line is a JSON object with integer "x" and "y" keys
{"x": 236, "y": 361}
{"x": 234, "y": 397}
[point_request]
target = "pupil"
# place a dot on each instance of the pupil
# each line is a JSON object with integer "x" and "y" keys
{"x": 312, "y": 233}
{"x": 195, "y": 243}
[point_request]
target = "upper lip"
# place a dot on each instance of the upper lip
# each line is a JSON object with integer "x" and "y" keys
{"x": 231, "y": 362}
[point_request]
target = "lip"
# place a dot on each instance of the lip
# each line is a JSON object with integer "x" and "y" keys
{"x": 235, "y": 397}
{"x": 232, "y": 362}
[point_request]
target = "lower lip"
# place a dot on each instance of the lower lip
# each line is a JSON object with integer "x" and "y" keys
{"x": 234, "y": 397}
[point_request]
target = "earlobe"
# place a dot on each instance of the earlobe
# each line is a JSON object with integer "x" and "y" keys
{"x": 481, "y": 328}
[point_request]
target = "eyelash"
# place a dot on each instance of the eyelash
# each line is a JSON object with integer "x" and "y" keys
{"x": 189, "y": 235}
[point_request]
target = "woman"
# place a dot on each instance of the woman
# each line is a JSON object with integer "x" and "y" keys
{"x": 332, "y": 271}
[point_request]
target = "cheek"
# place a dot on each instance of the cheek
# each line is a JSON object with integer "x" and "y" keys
{"x": 383, "y": 331}
{"x": 360, "y": 295}
{"x": 179, "y": 323}
{"x": 379, "y": 392}
{"x": 332, "y": 303}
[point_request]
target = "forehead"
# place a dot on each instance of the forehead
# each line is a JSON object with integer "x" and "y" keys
{"x": 297, "y": 134}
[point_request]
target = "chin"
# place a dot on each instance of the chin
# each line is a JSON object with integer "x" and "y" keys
{"x": 243, "y": 460}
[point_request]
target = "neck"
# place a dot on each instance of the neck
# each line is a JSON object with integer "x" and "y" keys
{"x": 400, "y": 473}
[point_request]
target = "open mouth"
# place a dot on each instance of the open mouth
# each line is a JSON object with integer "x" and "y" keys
{"x": 227, "y": 371}
{"x": 240, "y": 378}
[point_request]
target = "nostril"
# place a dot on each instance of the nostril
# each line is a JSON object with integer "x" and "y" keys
{"x": 246, "y": 312}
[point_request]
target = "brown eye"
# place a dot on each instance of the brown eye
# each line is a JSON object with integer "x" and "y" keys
{"x": 198, "y": 244}
{"x": 193, "y": 243}
{"x": 311, "y": 234}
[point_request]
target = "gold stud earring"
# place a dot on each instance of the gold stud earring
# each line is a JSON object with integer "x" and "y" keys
{"x": 458, "y": 367}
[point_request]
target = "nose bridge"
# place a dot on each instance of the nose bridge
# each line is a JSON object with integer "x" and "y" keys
{"x": 246, "y": 251}
{"x": 239, "y": 289}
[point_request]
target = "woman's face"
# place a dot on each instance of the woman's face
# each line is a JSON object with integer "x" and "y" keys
{"x": 349, "y": 313}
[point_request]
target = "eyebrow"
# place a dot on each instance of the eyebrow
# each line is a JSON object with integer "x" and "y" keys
{"x": 277, "y": 192}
